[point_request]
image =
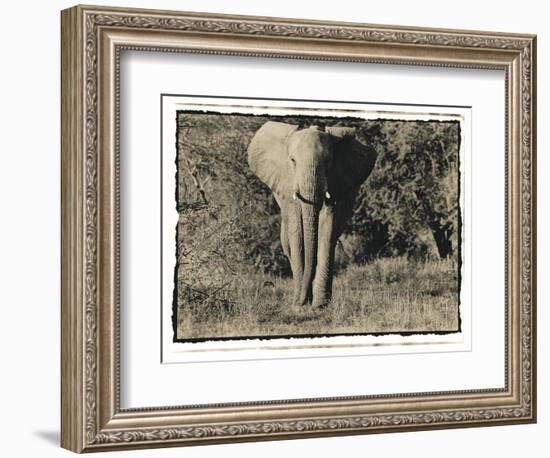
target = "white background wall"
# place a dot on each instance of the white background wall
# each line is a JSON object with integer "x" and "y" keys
{"x": 29, "y": 227}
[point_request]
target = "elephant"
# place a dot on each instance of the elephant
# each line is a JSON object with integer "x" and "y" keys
{"x": 314, "y": 174}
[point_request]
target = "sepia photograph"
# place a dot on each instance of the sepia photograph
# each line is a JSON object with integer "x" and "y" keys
{"x": 321, "y": 224}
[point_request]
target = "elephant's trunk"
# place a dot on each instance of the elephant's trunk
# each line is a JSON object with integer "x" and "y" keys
{"x": 311, "y": 191}
{"x": 310, "y": 219}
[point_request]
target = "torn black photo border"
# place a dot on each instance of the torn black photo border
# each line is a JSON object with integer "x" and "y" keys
{"x": 174, "y": 305}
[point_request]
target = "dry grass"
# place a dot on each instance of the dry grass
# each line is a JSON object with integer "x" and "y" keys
{"x": 386, "y": 295}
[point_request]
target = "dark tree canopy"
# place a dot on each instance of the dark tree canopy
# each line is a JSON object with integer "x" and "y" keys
{"x": 414, "y": 189}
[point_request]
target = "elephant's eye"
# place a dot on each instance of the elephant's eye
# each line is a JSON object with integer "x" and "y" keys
{"x": 292, "y": 161}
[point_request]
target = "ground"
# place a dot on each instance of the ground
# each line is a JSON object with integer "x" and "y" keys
{"x": 387, "y": 295}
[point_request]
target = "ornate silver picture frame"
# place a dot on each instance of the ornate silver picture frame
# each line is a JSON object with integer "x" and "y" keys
{"x": 94, "y": 40}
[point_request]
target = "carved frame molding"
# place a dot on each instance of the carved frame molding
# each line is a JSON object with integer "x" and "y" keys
{"x": 92, "y": 38}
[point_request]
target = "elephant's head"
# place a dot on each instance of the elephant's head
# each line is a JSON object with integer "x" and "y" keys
{"x": 314, "y": 175}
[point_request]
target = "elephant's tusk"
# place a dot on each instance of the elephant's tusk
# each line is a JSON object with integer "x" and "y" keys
{"x": 294, "y": 196}
{"x": 327, "y": 195}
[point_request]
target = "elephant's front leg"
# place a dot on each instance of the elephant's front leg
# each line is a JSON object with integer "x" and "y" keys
{"x": 322, "y": 285}
{"x": 291, "y": 231}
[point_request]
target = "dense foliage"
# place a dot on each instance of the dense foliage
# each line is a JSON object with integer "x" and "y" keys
{"x": 410, "y": 204}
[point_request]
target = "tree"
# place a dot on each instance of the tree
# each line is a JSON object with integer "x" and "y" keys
{"x": 415, "y": 185}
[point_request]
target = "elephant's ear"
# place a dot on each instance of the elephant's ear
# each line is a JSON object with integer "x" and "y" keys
{"x": 353, "y": 161}
{"x": 268, "y": 157}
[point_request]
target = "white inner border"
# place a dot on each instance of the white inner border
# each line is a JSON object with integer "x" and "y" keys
{"x": 145, "y": 382}
{"x": 181, "y": 352}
